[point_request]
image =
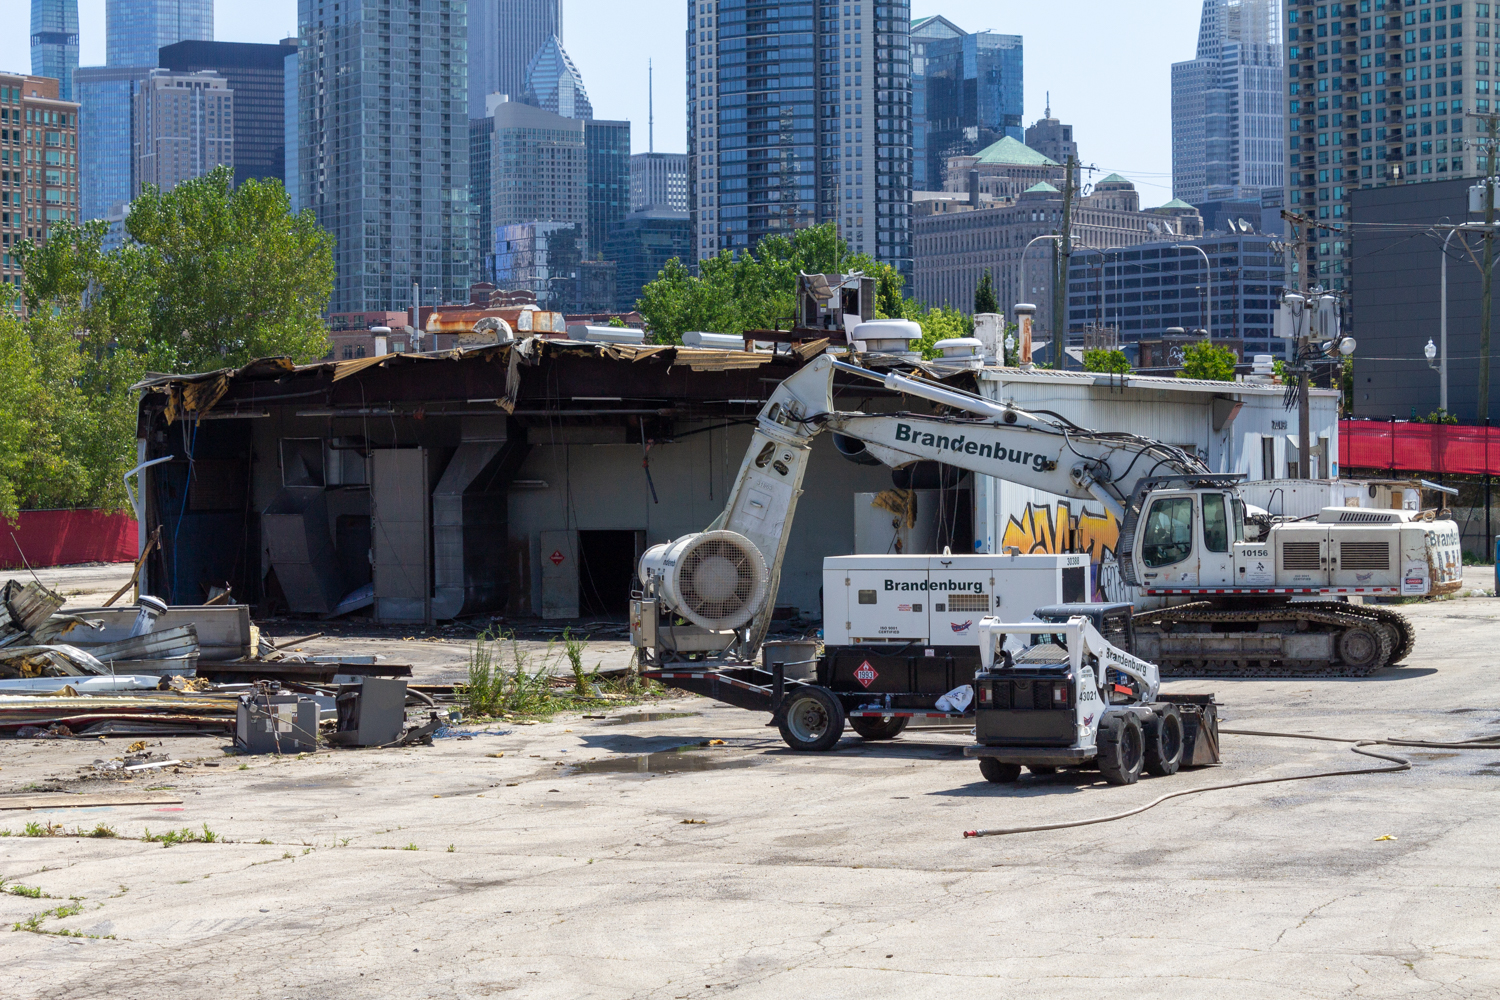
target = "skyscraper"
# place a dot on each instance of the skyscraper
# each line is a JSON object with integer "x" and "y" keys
{"x": 659, "y": 181}
{"x": 257, "y": 75}
{"x": 800, "y": 113}
{"x": 135, "y": 31}
{"x": 503, "y": 36}
{"x": 184, "y": 127}
{"x": 54, "y": 42}
{"x": 554, "y": 84}
{"x": 967, "y": 94}
{"x": 1227, "y": 116}
{"x": 289, "y": 149}
{"x": 383, "y": 94}
{"x": 607, "y": 147}
{"x": 47, "y": 193}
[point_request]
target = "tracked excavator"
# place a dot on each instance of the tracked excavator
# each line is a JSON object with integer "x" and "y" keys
{"x": 1232, "y": 600}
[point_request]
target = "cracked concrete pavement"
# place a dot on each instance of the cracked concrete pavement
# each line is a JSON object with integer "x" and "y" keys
{"x": 758, "y": 872}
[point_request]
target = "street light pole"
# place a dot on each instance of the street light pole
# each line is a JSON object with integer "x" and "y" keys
{"x": 1208, "y": 270}
{"x": 1026, "y": 288}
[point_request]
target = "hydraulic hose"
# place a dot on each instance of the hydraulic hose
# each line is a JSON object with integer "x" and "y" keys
{"x": 1356, "y": 745}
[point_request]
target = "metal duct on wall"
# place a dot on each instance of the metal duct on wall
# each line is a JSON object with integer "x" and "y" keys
{"x": 470, "y": 519}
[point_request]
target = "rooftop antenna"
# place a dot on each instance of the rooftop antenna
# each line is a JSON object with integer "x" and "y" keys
{"x": 1049, "y": 105}
{"x": 650, "y": 108}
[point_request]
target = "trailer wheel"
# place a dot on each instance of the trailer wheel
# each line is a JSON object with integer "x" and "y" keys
{"x": 879, "y": 729}
{"x": 1122, "y": 748}
{"x": 813, "y": 719}
{"x": 1164, "y": 742}
{"x": 1000, "y": 774}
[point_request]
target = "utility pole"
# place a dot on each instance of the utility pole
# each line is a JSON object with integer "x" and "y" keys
{"x": 1064, "y": 259}
{"x": 1301, "y": 365}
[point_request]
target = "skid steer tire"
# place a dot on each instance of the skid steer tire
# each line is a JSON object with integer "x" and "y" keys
{"x": 1122, "y": 749}
{"x": 1000, "y": 774}
{"x": 812, "y": 720}
{"x": 878, "y": 729}
{"x": 1164, "y": 743}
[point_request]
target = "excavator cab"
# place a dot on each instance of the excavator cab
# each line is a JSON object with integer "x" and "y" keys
{"x": 1187, "y": 537}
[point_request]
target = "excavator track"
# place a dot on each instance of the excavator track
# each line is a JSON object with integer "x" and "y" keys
{"x": 1406, "y": 635}
{"x": 1389, "y": 635}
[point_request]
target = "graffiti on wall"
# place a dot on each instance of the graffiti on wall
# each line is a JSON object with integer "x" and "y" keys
{"x": 1046, "y": 528}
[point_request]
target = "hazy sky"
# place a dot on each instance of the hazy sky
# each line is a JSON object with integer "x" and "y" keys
{"x": 1107, "y": 64}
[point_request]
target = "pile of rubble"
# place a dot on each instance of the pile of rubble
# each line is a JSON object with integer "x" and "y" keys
{"x": 154, "y": 670}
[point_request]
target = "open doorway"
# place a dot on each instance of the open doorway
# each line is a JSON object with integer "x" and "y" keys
{"x": 606, "y": 571}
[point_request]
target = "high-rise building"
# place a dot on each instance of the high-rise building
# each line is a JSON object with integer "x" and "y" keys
{"x": 257, "y": 75}
{"x": 640, "y": 247}
{"x": 481, "y": 142}
{"x": 962, "y": 240}
{"x": 38, "y": 164}
{"x": 800, "y": 113}
{"x": 503, "y": 36}
{"x": 539, "y": 168}
{"x": 136, "y": 30}
{"x": 1242, "y": 292}
{"x": 659, "y": 181}
{"x": 1227, "y": 112}
{"x": 967, "y": 94}
{"x": 106, "y": 96}
{"x": 1378, "y": 97}
{"x": 184, "y": 127}
{"x": 54, "y": 42}
{"x": 554, "y": 84}
{"x": 289, "y": 122}
{"x": 607, "y": 147}
{"x": 380, "y": 85}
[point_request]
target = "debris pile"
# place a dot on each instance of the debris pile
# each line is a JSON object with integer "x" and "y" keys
{"x": 142, "y": 670}
{"x": 37, "y": 642}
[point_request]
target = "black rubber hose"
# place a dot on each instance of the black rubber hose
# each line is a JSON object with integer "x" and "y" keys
{"x": 1356, "y": 745}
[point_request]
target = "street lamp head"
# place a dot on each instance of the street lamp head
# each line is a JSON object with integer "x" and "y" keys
{"x": 1430, "y": 350}
{"x": 1346, "y": 346}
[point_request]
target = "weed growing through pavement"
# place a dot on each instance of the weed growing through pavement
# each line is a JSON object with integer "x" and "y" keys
{"x": 183, "y": 836}
{"x": 33, "y": 923}
{"x": 411, "y": 847}
{"x": 29, "y": 891}
{"x": 507, "y": 680}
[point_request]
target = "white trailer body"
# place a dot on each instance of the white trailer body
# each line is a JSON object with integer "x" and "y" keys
{"x": 940, "y": 599}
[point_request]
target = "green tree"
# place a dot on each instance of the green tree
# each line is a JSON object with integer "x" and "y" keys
{"x": 1101, "y": 360}
{"x": 756, "y": 290}
{"x": 984, "y": 295}
{"x": 616, "y": 322}
{"x": 942, "y": 323}
{"x": 237, "y": 275}
{"x": 210, "y": 277}
{"x": 1207, "y": 361}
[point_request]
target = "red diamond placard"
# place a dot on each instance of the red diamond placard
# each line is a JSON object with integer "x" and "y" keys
{"x": 865, "y": 674}
{"x": 557, "y": 557}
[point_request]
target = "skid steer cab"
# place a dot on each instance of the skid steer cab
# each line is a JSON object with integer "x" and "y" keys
{"x": 1056, "y": 694}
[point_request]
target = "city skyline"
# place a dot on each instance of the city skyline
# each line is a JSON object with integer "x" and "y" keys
{"x": 611, "y": 45}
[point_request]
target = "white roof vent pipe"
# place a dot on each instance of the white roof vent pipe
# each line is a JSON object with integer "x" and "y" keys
{"x": 714, "y": 341}
{"x": 888, "y": 336}
{"x": 966, "y": 351}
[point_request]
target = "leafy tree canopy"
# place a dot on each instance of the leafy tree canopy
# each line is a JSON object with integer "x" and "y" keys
{"x": 1100, "y": 360}
{"x": 1208, "y": 361}
{"x": 210, "y": 277}
{"x": 756, "y": 290}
